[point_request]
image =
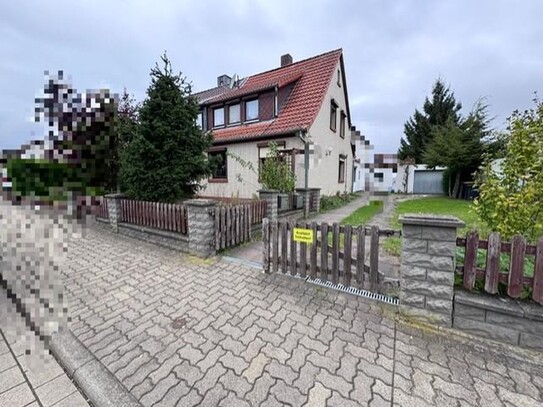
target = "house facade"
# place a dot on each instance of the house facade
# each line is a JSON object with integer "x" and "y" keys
{"x": 301, "y": 106}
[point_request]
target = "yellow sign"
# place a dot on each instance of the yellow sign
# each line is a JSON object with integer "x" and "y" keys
{"x": 302, "y": 235}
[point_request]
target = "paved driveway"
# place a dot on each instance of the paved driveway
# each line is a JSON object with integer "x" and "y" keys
{"x": 181, "y": 331}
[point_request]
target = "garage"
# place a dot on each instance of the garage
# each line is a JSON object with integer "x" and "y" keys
{"x": 428, "y": 182}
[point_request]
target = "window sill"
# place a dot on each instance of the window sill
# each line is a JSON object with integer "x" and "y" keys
{"x": 251, "y": 121}
{"x": 218, "y": 180}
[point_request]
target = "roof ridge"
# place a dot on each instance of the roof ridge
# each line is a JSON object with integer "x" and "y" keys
{"x": 298, "y": 62}
{"x": 340, "y": 50}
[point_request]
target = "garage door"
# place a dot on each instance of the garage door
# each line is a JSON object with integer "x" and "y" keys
{"x": 428, "y": 182}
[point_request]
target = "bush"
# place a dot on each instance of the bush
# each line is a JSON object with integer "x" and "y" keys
{"x": 336, "y": 201}
{"x": 44, "y": 179}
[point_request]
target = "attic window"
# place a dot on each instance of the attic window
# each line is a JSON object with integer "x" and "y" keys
{"x": 218, "y": 117}
{"x": 339, "y": 78}
{"x": 233, "y": 114}
{"x": 251, "y": 110}
{"x": 333, "y": 115}
{"x": 342, "y": 118}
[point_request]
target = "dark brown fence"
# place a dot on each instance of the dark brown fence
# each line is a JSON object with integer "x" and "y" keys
{"x": 516, "y": 278}
{"x": 337, "y": 253}
{"x": 233, "y": 224}
{"x": 102, "y": 208}
{"x": 163, "y": 216}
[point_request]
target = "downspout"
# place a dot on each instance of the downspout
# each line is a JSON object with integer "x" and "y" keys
{"x": 303, "y": 137}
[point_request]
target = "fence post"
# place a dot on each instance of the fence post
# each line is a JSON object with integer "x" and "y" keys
{"x": 427, "y": 267}
{"x": 266, "y": 244}
{"x": 114, "y": 210}
{"x": 201, "y": 227}
{"x": 270, "y": 195}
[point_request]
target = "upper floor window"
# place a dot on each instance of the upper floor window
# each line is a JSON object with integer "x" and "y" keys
{"x": 251, "y": 110}
{"x": 218, "y": 117}
{"x": 199, "y": 120}
{"x": 339, "y": 77}
{"x": 233, "y": 114}
{"x": 333, "y": 115}
{"x": 342, "y": 118}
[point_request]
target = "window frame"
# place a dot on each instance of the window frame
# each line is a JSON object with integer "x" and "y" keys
{"x": 200, "y": 120}
{"x": 257, "y": 118}
{"x": 230, "y": 122}
{"x": 214, "y": 177}
{"x": 342, "y": 120}
{"x": 333, "y": 115}
{"x": 342, "y": 164}
{"x": 215, "y": 109}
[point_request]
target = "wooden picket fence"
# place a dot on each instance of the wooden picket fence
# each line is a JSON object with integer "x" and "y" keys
{"x": 515, "y": 278}
{"x": 102, "y": 211}
{"x": 233, "y": 223}
{"x": 341, "y": 262}
{"x": 163, "y": 216}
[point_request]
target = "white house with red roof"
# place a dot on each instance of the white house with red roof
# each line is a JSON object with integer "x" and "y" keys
{"x": 302, "y": 106}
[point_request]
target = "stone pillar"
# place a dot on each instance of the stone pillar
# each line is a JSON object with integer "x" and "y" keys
{"x": 270, "y": 195}
{"x": 307, "y": 193}
{"x": 427, "y": 267}
{"x": 201, "y": 227}
{"x": 114, "y": 210}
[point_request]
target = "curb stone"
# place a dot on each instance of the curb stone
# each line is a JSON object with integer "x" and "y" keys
{"x": 98, "y": 384}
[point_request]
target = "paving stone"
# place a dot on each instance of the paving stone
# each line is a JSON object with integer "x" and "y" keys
{"x": 159, "y": 390}
{"x": 237, "y": 384}
{"x": 287, "y": 395}
{"x": 256, "y": 367}
{"x": 20, "y": 395}
{"x": 280, "y": 371}
{"x": 318, "y": 395}
{"x": 334, "y": 382}
{"x": 55, "y": 390}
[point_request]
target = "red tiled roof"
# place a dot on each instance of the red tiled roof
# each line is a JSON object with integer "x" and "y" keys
{"x": 312, "y": 77}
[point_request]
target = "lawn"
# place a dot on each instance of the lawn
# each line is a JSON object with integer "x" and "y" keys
{"x": 439, "y": 206}
{"x": 363, "y": 214}
{"x": 456, "y": 207}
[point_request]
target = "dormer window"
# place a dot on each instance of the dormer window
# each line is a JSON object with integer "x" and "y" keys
{"x": 234, "y": 114}
{"x": 218, "y": 117}
{"x": 251, "y": 110}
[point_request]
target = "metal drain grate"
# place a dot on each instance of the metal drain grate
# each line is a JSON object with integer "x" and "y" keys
{"x": 352, "y": 290}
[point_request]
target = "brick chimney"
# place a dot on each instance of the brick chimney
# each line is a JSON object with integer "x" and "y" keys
{"x": 286, "y": 60}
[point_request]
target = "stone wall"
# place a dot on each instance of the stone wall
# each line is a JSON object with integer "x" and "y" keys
{"x": 501, "y": 319}
{"x": 170, "y": 240}
{"x": 427, "y": 267}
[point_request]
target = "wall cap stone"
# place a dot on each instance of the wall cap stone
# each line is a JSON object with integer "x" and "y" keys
{"x": 268, "y": 191}
{"x": 200, "y": 202}
{"x": 503, "y": 305}
{"x": 115, "y": 196}
{"x": 444, "y": 221}
{"x": 307, "y": 189}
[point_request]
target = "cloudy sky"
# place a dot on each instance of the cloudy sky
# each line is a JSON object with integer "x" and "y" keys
{"x": 393, "y": 50}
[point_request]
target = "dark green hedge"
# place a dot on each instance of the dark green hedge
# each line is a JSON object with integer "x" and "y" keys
{"x": 45, "y": 179}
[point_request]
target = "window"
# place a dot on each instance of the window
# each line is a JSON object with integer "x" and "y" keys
{"x": 218, "y": 158}
{"x": 218, "y": 117}
{"x": 341, "y": 175}
{"x": 199, "y": 120}
{"x": 333, "y": 115}
{"x": 343, "y": 116}
{"x": 379, "y": 177}
{"x": 233, "y": 114}
{"x": 251, "y": 110}
{"x": 339, "y": 78}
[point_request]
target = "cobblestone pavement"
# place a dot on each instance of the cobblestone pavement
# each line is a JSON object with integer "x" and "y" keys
{"x": 242, "y": 338}
{"x": 29, "y": 376}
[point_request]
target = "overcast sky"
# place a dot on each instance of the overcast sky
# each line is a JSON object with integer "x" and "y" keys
{"x": 393, "y": 51}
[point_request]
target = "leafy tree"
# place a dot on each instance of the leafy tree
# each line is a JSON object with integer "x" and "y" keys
{"x": 166, "y": 158}
{"x": 459, "y": 145}
{"x": 80, "y": 131}
{"x": 511, "y": 199}
{"x": 437, "y": 111}
{"x": 275, "y": 173}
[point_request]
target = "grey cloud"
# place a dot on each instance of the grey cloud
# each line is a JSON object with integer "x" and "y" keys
{"x": 393, "y": 50}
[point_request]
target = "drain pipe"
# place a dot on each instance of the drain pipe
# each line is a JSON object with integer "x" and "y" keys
{"x": 305, "y": 139}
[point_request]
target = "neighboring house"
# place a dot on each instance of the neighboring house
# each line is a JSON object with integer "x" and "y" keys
{"x": 362, "y": 150}
{"x": 302, "y": 106}
{"x": 381, "y": 173}
{"x": 419, "y": 179}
